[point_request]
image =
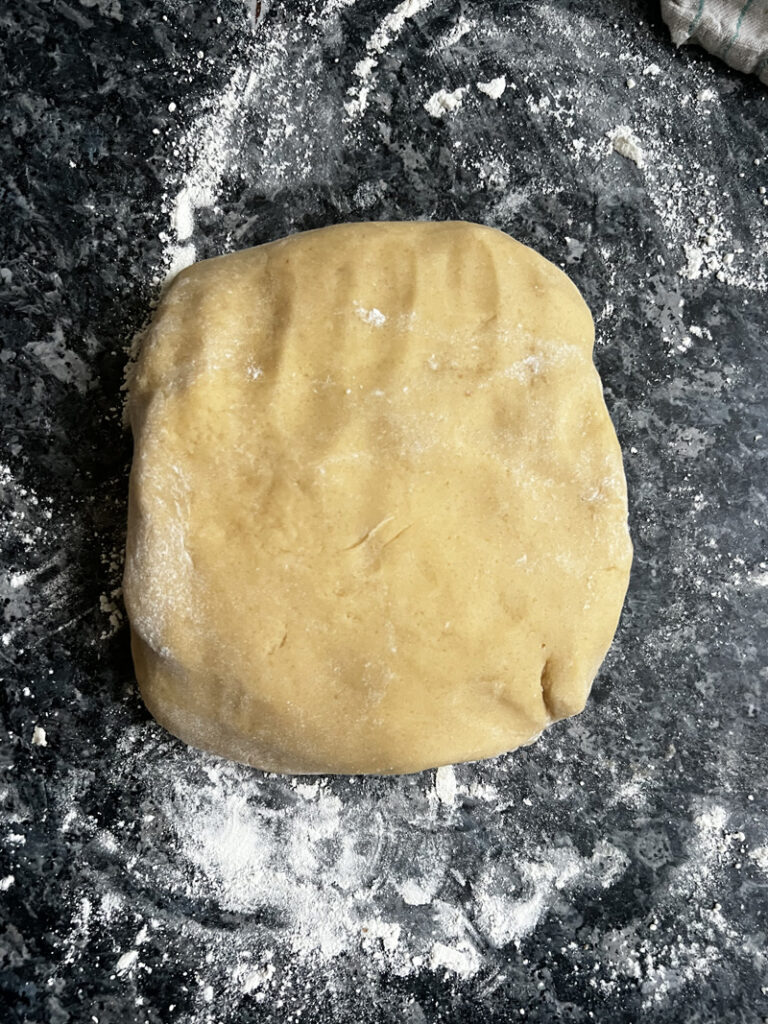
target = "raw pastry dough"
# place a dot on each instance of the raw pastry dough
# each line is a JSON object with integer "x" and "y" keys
{"x": 377, "y": 511}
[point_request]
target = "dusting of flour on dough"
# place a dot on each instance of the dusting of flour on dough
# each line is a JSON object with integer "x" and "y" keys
{"x": 372, "y": 316}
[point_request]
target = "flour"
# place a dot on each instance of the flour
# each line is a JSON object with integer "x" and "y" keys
{"x": 625, "y": 142}
{"x": 387, "y": 31}
{"x": 261, "y": 978}
{"x": 494, "y": 88}
{"x": 31, "y": 584}
{"x": 415, "y": 894}
{"x": 127, "y": 962}
{"x": 334, "y": 6}
{"x": 707, "y": 847}
{"x": 207, "y": 146}
{"x": 273, "y": 94}
{"x": 462, "y": 27}
{"x": 689, "y": 946}
{"x": 372, "y": 316}
{"x": 280, "y": 100}
{"x": 694, "y": 261}
{"x": 357, "y": 869}
{"x": 60, "y": 361}
{"x": 461, "y": 959}
{"x": 692, "y": 203}
{"x": 445, "y": 785}
{"x": 505, "y": 915}
{"x": 323, "y": 871}
{"x": 442, "y": 102}
{"x": 108, "y": 605}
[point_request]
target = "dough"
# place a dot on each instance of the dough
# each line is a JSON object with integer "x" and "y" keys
{"x": 378, "y": 518}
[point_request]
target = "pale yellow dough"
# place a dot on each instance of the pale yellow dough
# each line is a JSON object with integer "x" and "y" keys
{"x": 377, "y": 512}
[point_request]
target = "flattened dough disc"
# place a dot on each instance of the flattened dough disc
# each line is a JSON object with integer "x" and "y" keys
{"x": 377, "y": 507}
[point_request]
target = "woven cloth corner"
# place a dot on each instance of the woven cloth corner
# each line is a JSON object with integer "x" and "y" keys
{"x": 734, "y": 30}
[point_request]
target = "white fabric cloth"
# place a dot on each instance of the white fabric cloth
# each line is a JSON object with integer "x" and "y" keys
{"x": 734, "y": 30}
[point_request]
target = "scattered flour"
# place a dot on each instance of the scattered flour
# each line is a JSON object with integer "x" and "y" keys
{"x": 504, "y": 915}
{"x": 626, "y": 143}
{"x": 207, "y": 146}
{"x": 462, "y": 27}
{"x": 127, "y": 962}
{"x": 461, "y": 959}
{"x": 387, "y": 31}
{"x": 60, "y": 361}
{"x": 445, "y": 785}
{"x": 494, "y": 88}
{"x": 367, "y": 874}
{"x": 364, "y": 869}
{"x": 110, "y": 607}
{"x": 441, "y": 103}
{"x": 241, "y": 853}
{"x": 275, "y": 95}
{"x": 415, "y": 894}
{"x": 694, "y": 261}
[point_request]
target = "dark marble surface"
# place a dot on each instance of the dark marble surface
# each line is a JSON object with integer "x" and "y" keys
{"x": 617, "y": 870}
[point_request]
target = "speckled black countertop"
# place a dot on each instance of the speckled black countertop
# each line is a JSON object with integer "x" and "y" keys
{"x": 615, "y": 871}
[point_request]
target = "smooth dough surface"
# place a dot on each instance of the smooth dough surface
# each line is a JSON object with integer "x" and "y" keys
{"x": 378, "y": 516}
